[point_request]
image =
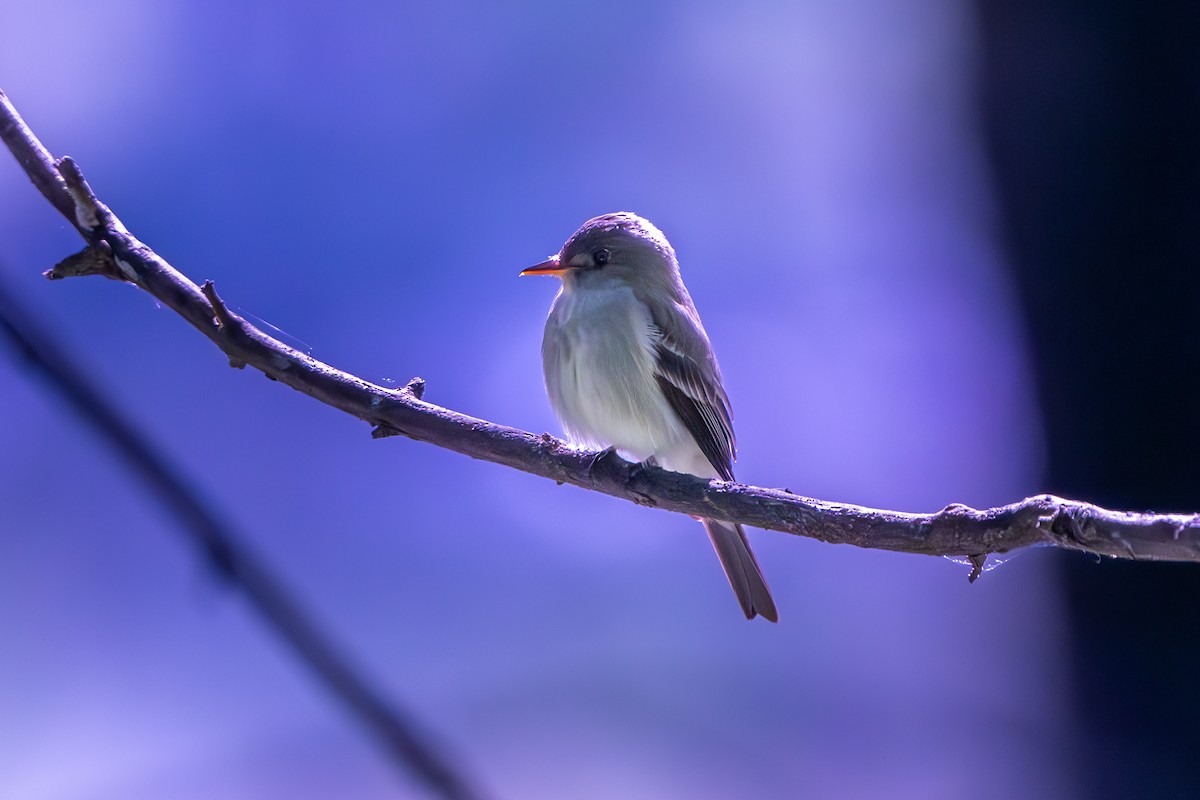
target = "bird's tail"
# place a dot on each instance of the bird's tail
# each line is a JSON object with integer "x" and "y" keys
{"x": 729, "y": 540}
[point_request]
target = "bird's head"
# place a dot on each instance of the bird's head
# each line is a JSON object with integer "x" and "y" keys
{"x": 612, "y": 248}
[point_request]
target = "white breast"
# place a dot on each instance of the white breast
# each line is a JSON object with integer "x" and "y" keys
{"x": 598, "y": 357}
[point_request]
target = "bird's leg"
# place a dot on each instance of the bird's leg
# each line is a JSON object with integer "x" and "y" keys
{"x": 635, "y": 472}
{"x": 642, "y": 466}
{"x": 600, "y": 456}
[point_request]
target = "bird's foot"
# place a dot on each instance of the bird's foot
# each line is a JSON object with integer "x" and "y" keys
{"x": 635, "y": 472}
{"x": 641, "y": 466}
{"x": 596, "y": 458}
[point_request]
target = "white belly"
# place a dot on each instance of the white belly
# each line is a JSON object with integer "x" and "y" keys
{"x": 598, "y": 356}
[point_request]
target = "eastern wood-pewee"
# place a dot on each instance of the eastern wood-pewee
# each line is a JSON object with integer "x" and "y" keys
{"x": 628, "y": 365}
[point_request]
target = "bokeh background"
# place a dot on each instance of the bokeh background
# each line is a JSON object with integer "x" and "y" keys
{"x": 946, "y": 252}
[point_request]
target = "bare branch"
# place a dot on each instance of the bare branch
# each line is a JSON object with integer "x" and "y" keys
{"x": 34, "y": 159}
{"x": 95, "y": 259}
{"x": 87, "y": 207}
{"x": 955, "y": 530}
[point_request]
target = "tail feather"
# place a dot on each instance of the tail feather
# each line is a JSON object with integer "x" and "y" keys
{"x": 745, "y": 576}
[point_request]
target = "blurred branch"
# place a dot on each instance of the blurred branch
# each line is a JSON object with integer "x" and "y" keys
{"x": 227, "y": 556}
{"x": 955, "y": 530}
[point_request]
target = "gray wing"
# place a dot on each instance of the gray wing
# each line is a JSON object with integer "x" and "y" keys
{"x": 687, "y": 373}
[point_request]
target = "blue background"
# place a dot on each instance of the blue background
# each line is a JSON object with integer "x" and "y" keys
{"x": 370, "y": 180}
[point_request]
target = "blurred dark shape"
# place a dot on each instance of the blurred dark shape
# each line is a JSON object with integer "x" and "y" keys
{"x": 399, "y": 735}
{"x": 1093, "y": 122}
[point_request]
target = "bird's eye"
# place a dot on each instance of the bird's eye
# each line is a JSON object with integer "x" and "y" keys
{"x": 601, "y": 257}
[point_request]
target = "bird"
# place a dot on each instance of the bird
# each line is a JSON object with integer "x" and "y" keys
{"x": 628, "y": 366}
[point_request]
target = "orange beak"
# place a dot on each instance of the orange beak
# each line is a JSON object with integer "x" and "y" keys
{"x": 548, "y": 267}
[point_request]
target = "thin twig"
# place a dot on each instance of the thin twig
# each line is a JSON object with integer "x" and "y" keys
{"x": 955, "y": 530}
{"x": 231, "y": 559}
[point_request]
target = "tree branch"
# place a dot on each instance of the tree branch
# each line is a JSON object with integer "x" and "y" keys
{"x": 955, "y": 530}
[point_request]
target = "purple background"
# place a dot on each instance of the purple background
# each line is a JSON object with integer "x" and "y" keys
{"x": 371, "y": 182}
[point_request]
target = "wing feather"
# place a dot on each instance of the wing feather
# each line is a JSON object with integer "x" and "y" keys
{"x": 691, "y": 382}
